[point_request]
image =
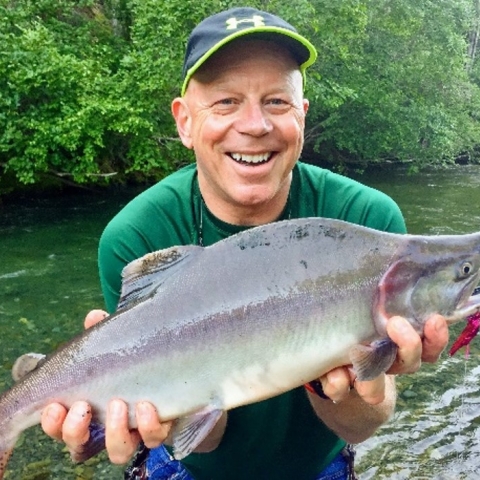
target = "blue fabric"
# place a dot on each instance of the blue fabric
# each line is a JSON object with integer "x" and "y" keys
{"x": 337, "y": 470}
{"x": 162, "y": 466}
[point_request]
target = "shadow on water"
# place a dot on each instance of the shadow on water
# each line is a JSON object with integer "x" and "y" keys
{"x": 48, "y": 281}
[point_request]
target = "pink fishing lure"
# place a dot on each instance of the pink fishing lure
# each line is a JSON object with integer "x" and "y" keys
{"x": 467, "y": 335}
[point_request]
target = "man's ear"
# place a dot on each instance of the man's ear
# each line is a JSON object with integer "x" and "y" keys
{"x": 306, "y": 104}
{"x": 183, "y": 120}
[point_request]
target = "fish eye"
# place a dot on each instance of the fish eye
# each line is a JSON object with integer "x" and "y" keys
{"x": 466, "y": 268}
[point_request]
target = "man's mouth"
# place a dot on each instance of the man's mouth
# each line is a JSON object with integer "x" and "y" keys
{"x": 251, "y": 159}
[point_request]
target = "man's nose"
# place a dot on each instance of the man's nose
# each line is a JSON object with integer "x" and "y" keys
{"x": 253, "y": 120}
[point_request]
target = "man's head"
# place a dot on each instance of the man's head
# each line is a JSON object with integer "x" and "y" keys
{"x": 243, "y": 114}
{"x": 213, "y": 33}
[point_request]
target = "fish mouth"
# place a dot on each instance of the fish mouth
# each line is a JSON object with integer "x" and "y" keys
{"x": 471, "y": 306}
{"x": 251, "y": 159}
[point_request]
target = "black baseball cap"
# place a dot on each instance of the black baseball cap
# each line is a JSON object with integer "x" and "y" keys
{"x": 216, "y": 31}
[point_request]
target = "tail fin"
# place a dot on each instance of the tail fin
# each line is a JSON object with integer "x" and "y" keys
{"x": 4, "y": 456}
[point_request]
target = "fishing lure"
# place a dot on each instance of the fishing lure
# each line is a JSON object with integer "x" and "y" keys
{"x": 467, "y": 335}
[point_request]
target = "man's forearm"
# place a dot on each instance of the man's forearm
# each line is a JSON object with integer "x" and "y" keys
{"x": 353, "y": 419}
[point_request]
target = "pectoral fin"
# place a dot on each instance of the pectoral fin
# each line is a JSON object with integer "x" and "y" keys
{"x": 369, "y": 361}
{"x": 25, "y": 364}
{"x": 95, "y": 444}
{"x": 190, "y": 431}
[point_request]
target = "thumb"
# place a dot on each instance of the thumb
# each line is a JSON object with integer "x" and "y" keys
{"x": 93, "y": 317}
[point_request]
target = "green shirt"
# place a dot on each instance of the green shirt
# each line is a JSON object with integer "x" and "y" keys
{"x": 279, "y": 438}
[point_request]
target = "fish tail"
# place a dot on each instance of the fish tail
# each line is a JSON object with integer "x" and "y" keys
{"x": 4, "y": 457}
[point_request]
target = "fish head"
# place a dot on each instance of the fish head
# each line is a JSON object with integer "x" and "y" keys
{"x": 433, "y": 275}
{"x": 446, "y": 288}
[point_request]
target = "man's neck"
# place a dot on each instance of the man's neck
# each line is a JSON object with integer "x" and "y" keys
{"x": 247, "y": 214}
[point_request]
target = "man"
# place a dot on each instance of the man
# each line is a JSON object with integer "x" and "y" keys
{"x": 242, "y": 112}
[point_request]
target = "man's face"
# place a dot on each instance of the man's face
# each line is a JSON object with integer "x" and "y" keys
{"x": 244, "y": 115}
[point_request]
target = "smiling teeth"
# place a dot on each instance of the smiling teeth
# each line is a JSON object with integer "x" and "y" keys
{"x": 241, "y": 157}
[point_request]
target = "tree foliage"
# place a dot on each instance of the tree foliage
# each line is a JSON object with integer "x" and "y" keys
{"x": 86, "y": 85}
{"x": 412, "y": 98}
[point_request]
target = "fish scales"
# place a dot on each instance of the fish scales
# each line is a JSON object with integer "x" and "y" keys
{"x": 248, "y": 318}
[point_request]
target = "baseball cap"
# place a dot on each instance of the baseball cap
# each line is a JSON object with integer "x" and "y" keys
{"x": 216, "y": 31}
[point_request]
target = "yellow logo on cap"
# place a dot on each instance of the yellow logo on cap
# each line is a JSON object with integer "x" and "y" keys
{"x": 233, "y": 23}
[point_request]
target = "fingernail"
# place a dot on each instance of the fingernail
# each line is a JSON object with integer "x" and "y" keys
{"x": 115, "y": 408}
{"x": 143, "y": 409}
{"x": 80, "y": 412}
{"x": 52, "y": 414}
{"x": 401, "y": 326}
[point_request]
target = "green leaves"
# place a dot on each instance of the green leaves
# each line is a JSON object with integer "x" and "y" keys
{"x": 410, "y": 93}
{"x": 52, "y": 98}
{"x": 86, "y": 86}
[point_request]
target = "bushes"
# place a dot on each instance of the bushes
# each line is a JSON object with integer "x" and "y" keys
{"x": 86, "y": 86}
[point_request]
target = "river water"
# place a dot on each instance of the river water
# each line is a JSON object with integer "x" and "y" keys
{"x": 48, "y": 281}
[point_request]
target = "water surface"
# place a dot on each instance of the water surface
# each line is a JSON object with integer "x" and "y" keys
{"x": 435, "y": 431}
{"x": 48, "y": 281}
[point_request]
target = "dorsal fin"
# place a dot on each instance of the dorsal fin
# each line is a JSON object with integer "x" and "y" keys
{"x": 143, "y": 276}
{"x": 26, "y": 364}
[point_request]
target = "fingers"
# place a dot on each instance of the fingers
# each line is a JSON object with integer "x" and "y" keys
{"x": 75, "y": 432}
{"x": 338, "y": 383}
{"x": 93, "y": 317}
{"x": 435, "y": 338}
{"x": 409, "y": 356}
{"x": 412, "y": 350}
{"x": 71, "y": 427}
{"x": 120, "y": 442}
{"x": 372, "y": 391}
{"x": 152, "y": 431}
{"x": 52, "y": 420}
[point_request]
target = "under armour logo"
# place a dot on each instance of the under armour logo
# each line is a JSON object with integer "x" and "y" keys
{"x": 233, "y": 23}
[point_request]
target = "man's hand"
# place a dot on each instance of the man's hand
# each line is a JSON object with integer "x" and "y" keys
{"x": 359, "y": 408}
{"x": 72, "y": 426}
{"x": 412, "y": 350}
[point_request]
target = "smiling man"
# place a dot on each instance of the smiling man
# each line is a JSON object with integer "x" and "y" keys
{"x": 242, "y": 111}
{"x": 243, "y": 114}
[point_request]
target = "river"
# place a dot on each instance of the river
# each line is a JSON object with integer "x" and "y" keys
{"x": 48, "y": 281}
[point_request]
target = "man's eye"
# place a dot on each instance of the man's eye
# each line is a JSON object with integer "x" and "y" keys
{"x": 277, "y": 101}
{"x": 226, "y": 101}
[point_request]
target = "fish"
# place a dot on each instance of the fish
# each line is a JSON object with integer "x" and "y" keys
{"x": 202, "y": 330}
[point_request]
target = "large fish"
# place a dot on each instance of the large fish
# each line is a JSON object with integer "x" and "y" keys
{"x": 202, "y": 330}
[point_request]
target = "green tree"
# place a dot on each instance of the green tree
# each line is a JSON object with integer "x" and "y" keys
{"x": 56, "y": 63}
{"x": 412, "y": 99}
{"x": 86, "y": 86}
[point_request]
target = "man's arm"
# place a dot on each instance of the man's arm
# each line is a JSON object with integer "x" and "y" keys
{"x": 353, "y": 418}
{"x": 355, "y": 409}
